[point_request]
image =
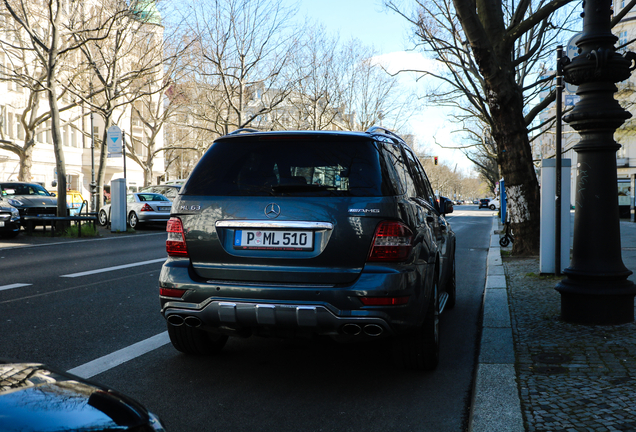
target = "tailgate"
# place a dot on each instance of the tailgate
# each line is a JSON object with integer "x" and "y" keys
{"x": 305, "y": 240}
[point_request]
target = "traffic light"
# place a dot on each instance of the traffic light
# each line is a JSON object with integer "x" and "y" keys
{"x": 435, "y": 158}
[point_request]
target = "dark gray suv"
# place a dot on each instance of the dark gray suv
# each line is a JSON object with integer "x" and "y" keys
{"x": 303, "y": 233}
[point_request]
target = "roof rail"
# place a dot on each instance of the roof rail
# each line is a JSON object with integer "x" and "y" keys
{"x": 383, "y": 131}
{"x": 243, "y": 130}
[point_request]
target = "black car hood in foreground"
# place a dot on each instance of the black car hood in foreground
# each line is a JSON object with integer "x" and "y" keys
{"x": 34, "y": 397}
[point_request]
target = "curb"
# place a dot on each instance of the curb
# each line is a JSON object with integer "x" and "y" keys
{"x": 496, "y": 405}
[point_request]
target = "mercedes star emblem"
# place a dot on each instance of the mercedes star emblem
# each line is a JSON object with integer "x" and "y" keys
{"x": 272, "y": 210}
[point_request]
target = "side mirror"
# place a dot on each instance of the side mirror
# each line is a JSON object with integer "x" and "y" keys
{"x": 446, "y": 205}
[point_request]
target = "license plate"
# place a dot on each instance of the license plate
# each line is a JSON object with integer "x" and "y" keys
{"x": 1, "y": 223}
{"x": 274, "y": 240}
{"x": 164, "y": 208}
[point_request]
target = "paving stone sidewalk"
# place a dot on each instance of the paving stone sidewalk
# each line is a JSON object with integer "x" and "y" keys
{"x": 571, "y": 377}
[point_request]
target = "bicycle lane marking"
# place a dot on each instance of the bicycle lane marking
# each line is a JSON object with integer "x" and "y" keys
{"x": 109, "y": 361}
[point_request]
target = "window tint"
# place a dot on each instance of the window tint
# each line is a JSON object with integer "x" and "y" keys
{"x": 393, "y": 162}
{"x": 290, "y": 165}
{"x": 402, "y": 169}
{"x": 415, "y": 172}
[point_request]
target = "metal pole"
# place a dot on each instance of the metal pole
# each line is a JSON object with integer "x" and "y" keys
{"x": 596, "y": 289}
{"x": 123, "y": 148}
{"x": 93, "y": 184}
{"x": 557, "y": 155}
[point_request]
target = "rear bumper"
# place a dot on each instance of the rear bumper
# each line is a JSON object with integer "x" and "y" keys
{"x": 234, "y": 316}
{"x": 292, "y": 310}
{"x": 149, "y": 217}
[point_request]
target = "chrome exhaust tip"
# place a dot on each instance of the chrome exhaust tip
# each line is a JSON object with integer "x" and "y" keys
{"x": 175, "y": 320}
{"x": 192, "y": 321}
{"x": 351, "y": 329}
{"x": 373, "y": 330}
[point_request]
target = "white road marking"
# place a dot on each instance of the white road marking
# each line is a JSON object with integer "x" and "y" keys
{"x": 107, "y": 269}
{"x": 15, "y": 285}
{"x": 102, "y": 364}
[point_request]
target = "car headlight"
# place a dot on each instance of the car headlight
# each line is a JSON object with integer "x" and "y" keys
{"x": 15, "y": 202}
{"x": 15, "y": 214}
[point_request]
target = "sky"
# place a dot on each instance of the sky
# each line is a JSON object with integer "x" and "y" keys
{"x": 373, "y": 24}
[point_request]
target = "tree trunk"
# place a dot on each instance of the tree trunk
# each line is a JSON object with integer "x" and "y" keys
{"x": 514, "y": 156}
{"x": 26, "y": 163}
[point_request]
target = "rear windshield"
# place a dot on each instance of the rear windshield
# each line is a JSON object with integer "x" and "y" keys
{"x": 297, "y": 166}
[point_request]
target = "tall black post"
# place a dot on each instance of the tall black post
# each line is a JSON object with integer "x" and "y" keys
{"x": 596, "y": 289}
{"x": 557, "y": 157}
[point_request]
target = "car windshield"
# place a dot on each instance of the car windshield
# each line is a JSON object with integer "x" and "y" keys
{"x": 9, "y": 189}
{"x": 299, "y": 165}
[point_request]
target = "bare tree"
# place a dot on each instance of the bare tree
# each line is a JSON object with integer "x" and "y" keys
{"x": 492, "y": 52}
{"x": 242, "y": 49}
{"x": 25, "y": 76}
{"x": 317, "y": 100}
{"x": 371, "y": 96}
{"x": 122, "y": 69}
{"x": 49, "y": 28}
{"x": 151, "y": 108}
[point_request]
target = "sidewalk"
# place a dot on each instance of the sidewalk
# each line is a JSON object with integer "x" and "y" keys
{"x": 537, "y": 373}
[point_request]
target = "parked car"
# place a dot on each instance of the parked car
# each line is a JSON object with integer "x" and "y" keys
{"x": 170, "y": 191}
{"x": 493, "y": 204}
{"x": 31, "y": 199}
{"x": 303, "y": 233}
{"x": 141, "y": 208}
{"x": 9, "y": 220}
{"x": 35, "y": 397}
{"x": 484, "y": 203}
{"x": 74, "y": 202}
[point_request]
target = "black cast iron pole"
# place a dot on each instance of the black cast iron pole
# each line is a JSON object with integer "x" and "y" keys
{"x": 557, "y": 157}
{"x": 596, "y": 289}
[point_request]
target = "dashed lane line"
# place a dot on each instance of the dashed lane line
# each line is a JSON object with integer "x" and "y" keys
{"x": 107, "y": 269}
{"x": 102, "y": 364}
{"x": 15, "y": 285}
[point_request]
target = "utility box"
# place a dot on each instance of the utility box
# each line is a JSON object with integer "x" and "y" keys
{"x": 118, "y": 205}
{"x": 548, "y": 215}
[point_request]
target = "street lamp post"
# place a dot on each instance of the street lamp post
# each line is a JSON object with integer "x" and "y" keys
{"x": 596, "y": 289}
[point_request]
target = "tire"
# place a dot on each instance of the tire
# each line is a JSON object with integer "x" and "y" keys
{"x": 133, "y": 220}
{"x": 193, "y": 341}
{"x": 103, "y": 218}
{"x": 504, "y": 241}
{"x": 451, "y": 288}
{"x": 492, "y": 207}
{"x": 9, "y": 234}
{"x": 419, "y": 350}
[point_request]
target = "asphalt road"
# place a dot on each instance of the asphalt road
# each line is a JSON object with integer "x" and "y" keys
{"x": 92, "y": 307}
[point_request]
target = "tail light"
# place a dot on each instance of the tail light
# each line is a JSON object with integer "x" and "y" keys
{"x": 176, "y": 245}
{"x": 384, "y": 301}
{"x": 171, "y": 292}
{"x": 146, "y": 207}
{"x": 393, "y": 241}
